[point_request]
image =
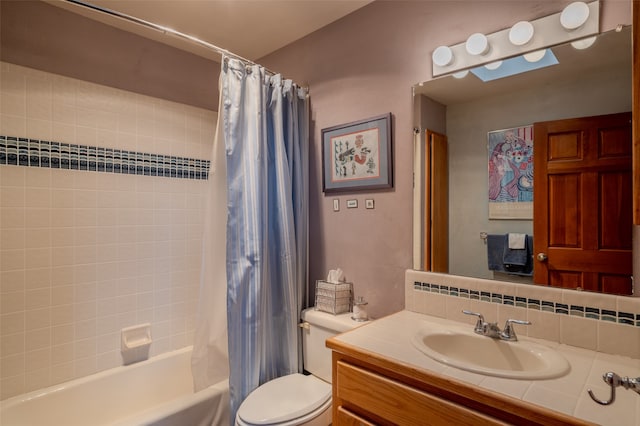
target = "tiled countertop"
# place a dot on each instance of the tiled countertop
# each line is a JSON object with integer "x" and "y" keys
{"x": 391, "y": 338}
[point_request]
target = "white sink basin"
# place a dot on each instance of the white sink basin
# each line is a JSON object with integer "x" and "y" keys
{"x": 480, "y": 354}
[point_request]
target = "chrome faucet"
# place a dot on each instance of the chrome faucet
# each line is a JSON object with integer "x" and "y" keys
{"x": 491, "y": 329}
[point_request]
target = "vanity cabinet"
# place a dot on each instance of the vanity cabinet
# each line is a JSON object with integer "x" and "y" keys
{"x": 370, "y": 389}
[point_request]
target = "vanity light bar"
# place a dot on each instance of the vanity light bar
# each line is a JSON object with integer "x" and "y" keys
{"x": 547, "y": 31}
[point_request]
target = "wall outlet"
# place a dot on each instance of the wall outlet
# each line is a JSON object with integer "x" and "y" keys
{"x": 352, "y": 204}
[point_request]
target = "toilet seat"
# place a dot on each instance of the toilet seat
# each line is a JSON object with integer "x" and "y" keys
{"x": 286, "y": 400}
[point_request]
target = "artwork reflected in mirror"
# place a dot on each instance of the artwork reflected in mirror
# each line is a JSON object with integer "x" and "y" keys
{"x": 510, "y": 169}
{"x": 584, "y": 83}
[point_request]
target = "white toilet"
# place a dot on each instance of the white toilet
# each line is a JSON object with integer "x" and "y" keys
{"x": 299, "y": 399}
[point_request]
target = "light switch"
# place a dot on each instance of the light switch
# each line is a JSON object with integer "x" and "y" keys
{"x": 369, "y": 203}
{"x": 336, "y": 205}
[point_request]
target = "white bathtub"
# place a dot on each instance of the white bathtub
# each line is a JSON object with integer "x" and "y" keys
{"x": 158, "y": 391}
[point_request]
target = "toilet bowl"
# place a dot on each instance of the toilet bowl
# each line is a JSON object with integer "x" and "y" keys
{"x": 290, "y": 400}
{"x": 299, "y": 399}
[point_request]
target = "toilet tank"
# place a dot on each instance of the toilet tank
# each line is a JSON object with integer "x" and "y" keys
{"x": 322, "y": 325}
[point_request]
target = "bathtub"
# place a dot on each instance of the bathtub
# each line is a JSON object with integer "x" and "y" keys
{"x": 158, "y": 391}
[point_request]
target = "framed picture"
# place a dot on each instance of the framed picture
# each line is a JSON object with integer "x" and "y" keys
{"x": 511, "y": 173}
{"x": 357, "y": 156}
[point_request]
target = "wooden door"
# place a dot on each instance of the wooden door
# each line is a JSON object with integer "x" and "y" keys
{"x": 583, "y": 203}
{"x": 635, "y": 88}
{"x": 436, "y": 243}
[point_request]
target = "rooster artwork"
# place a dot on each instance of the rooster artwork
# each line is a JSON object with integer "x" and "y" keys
{"x": 355, "y": 155}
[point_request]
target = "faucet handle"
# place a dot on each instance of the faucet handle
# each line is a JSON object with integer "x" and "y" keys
{"x": 480, "y": 323}
{"x": 509, "y": 333}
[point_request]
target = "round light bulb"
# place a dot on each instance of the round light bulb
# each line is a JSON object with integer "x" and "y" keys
{"x": 535, "y": 56}
{"x": 521, "y": 33}
{"x": 574, "y": 15}
{"x": 493, "y": 65}
{"x": 442, "y": 56}
{"x": 585, "y": 43}
{"x": 477, "y": 44}
{"x": 460, "y": 74}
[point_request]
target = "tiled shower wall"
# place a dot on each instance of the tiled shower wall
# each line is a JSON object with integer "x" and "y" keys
{"x": 85, "y": 253}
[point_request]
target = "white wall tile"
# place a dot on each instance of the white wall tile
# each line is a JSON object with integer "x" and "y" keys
{"x": 37, "y": 278}
{"x": 83, "y": 253}
{"x": 38, "y": 318}
{"x": 12, "y": 323}
{"x": 12, "y": 385}
{"x": 12, "y": 197}
{"x": 37, "y": 339}
{"x": 13, "y": 364}
{"x": 12, "y": 302}
{"x": 12, "y": 281}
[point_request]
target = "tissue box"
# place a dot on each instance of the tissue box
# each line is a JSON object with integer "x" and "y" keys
{"x": 333, "y": 298}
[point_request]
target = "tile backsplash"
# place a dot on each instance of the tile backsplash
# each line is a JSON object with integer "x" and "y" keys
{"x": 84, "y": 253}
{"x": 605, "y": 323}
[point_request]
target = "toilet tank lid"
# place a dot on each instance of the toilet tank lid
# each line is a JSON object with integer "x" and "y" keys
{"x": 283, "y": 399}
{"x": 339, "y": 323}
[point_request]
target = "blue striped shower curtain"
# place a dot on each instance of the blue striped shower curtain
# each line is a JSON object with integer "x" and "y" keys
{"x": 265, "y": 127}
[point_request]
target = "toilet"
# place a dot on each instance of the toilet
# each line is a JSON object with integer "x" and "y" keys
{"x": 299, "y": 399}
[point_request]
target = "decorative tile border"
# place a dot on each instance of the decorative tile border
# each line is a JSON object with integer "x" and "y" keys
{"x": 530, "y": 303}
{"x": 56, "y": 155}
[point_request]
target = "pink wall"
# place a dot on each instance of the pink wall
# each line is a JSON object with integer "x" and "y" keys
{"x": 38, "y": 35}
{"x": 364, "y": 65}
{"x": 360, "y": 66}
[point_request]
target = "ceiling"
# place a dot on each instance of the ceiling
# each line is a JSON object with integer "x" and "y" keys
{"x": 249, "y": 28}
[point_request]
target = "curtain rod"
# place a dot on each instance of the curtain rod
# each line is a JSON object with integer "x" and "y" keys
{"x": 165, "y": 30}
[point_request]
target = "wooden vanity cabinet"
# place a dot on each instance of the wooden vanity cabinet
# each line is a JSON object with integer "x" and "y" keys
{"x": 369, "y": 389}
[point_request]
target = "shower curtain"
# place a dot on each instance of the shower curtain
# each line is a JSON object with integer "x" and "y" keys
{"x": 209, "y": 360}
{"x": 264, "y": 123}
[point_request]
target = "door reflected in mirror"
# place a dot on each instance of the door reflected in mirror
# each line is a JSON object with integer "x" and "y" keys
{"x": 586, "y": 82}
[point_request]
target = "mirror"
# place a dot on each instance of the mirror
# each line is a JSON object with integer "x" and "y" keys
{"x": 589, "y": 82}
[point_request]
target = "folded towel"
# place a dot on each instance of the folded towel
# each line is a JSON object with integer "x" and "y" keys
{"x": 520, "y": 260}
{"x": 517, "y": 241}
{"x": 514, "y": 258}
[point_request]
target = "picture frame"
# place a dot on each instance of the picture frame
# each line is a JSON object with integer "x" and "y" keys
{"x": 510, "y": 172}
{"x": 358, "y": 156}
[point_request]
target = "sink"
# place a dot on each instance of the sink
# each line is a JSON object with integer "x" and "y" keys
{"x": 480, "y": 354}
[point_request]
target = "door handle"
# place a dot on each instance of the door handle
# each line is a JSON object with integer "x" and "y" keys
{"x": 542, "y": 257}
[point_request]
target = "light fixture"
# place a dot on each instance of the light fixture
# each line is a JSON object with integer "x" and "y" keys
{"x": 574, "y": 15}
{"x": 535, "y": 56}
{"x": 477, "y": 44}
{"x": 460, "y": 74}
{"x": 577, "y": 22}
{"x": 493, "y": 65}
{"x": 442, "y": 56}
{"x": 521, "y": 33}
{"x": 585, "y": 43}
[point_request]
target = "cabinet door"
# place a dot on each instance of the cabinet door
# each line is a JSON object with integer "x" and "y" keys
{"x": 347, "y": 418}
{"x": 398, "y": 403}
